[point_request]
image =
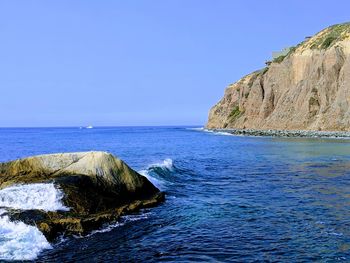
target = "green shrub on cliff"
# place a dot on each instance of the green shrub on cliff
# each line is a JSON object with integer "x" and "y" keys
{"x": 235, "y": 113}
{"x": 282, "y": 57}
{"x": 330, "y": 36}
{"x": 328, "y": 42}
{"x": 279, "y": 59}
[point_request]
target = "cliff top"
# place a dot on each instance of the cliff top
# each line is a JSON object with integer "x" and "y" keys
{"x": 324, "y": 39}
{"x": 328, "y": 37}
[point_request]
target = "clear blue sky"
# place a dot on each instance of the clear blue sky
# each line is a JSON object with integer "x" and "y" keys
{"x": 166, "y": 62}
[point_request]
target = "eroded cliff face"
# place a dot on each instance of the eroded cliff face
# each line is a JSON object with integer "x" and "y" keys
{"x": 308, "y": 89}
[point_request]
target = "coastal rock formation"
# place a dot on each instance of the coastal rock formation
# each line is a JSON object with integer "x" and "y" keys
{"x": 96, "y": 188}
{"x": 306, "y": 89}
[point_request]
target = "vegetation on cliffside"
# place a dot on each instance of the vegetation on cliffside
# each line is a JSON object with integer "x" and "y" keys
{"x": 330, "y": 36}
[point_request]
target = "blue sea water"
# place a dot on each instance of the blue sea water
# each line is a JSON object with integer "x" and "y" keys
{"x": 228, "y": 198}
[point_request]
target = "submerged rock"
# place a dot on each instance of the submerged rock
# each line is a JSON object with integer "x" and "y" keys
{"x": 97, "y": 188}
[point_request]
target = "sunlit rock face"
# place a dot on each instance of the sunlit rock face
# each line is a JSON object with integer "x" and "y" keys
{"x": 307, "y": 89}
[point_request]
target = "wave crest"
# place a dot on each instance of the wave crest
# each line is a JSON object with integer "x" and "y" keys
{"x": 167, "y": 164}
{"x": 158, "y": 173}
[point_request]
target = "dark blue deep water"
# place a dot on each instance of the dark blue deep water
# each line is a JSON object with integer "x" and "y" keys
{"x": 229, "y": 198}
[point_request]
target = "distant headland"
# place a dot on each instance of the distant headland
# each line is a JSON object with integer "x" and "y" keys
{"x": 306, "y": 87}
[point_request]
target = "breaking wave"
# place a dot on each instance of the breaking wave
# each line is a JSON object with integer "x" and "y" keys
{"x": 157, "y": 173}
{"x": 167, "y": 164}
{"x": 218, "y": 132}
{"x": 211, "y": 131}
{"x": 19, "y": 241}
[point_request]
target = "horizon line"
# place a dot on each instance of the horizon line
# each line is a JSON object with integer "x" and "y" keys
{"x": 99, "y": 126}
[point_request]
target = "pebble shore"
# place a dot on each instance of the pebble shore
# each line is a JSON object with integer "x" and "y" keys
{"x": 286, "y": 133}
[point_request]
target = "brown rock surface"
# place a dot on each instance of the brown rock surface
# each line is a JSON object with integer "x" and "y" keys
{"x": 97, "y": 187}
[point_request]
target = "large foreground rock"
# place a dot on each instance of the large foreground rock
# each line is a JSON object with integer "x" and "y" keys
{"x": 306, "y": 89}
{"x": 97, "y": 187}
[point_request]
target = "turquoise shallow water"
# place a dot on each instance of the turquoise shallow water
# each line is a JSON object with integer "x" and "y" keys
{"x": 229, "y": 198}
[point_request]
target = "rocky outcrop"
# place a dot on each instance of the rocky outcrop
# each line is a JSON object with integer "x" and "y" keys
{"x": 307, "y": 89}
{"x": 97, "y": 187}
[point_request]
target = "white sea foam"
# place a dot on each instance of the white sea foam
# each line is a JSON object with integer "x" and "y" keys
{"x": 211, "y": 131}
{"x": 218, "y": 132}
{"x": 32, "y": 196}
{"x": 167, "y": 163}
{"x": 224, "y": 133}
{"x": 124, "y": 220}
{"x": 19, "y": 241}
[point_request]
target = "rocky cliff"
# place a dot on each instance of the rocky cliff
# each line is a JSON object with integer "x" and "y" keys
{"x": 94, "y": 187}
{"x": 306, "y": 89}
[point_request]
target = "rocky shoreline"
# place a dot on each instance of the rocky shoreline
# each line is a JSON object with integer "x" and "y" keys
{"x": 285, "y": 133}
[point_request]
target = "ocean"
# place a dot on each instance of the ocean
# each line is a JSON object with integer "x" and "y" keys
{"x": 228, "y": 198}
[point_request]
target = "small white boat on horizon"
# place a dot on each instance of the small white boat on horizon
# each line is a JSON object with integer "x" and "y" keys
{"x": 89, "y": 127}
